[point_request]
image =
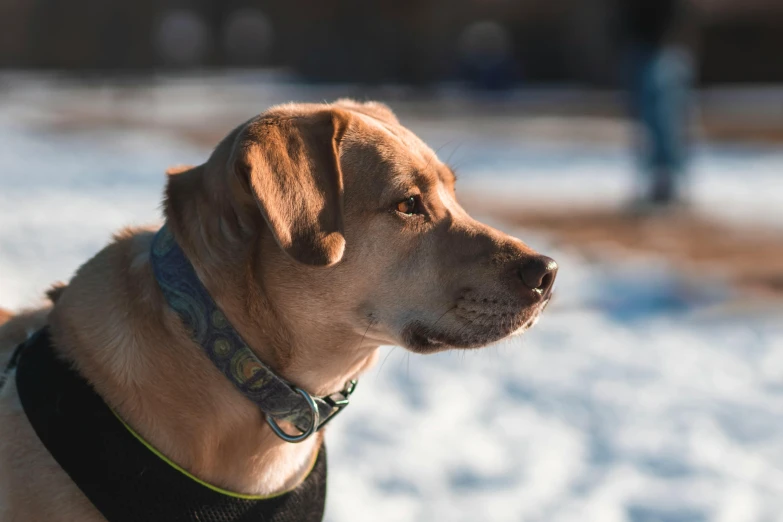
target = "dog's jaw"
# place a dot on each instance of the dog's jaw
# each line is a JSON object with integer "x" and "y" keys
{"x": 469, "y": 334}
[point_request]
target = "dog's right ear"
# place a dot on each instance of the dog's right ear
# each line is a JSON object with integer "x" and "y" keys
{"x": 290, "y": 164}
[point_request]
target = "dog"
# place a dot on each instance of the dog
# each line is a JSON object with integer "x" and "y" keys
{"x": 321, "y": 231}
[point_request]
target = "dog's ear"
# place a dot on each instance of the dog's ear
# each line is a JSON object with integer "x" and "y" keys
{"x": 377, "y": 110}
{"x": 291, "y": 165}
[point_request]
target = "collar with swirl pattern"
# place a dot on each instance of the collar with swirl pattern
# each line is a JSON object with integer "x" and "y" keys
{"x": 210, "y": 329}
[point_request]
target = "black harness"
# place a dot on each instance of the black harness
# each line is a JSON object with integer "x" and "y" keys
{"x": 123, "y": 478}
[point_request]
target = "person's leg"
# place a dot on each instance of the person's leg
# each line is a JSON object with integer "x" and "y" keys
{"x": 665, "y": 118}
{"x": 643, "y": 97}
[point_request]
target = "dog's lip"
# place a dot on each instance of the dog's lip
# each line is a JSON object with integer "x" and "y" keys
{"x": 421, "y": 338}
{"x": 435, "y": 342}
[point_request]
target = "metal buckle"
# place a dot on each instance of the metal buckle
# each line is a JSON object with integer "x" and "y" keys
{"x": 304, "y": 435}
{"x": 340, "y": 404}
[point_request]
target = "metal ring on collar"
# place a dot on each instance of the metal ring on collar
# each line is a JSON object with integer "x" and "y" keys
{"x": 302, "y": 436}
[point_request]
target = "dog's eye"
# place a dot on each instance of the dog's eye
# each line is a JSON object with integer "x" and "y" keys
{"x": 409, "y": 206}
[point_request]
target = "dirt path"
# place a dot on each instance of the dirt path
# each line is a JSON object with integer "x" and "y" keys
{"x": 752, "y": 259}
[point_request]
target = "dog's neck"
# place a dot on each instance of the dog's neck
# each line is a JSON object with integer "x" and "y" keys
{"x": 322, "y": 364}
{"x": 132, "y": 347}
{"x": 215, "y": 227}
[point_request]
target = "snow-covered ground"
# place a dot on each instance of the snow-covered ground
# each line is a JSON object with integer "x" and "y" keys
{"x": 639, "y": 397}
{"x": 633, "y": 400}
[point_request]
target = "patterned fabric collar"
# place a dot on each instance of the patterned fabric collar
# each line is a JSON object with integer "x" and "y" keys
{"x": 209, "y": 328}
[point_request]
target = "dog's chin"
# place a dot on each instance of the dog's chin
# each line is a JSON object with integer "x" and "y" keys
{"x": 421, "y": 338}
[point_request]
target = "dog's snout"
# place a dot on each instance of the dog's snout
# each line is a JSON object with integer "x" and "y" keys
{"x": 538, "y": 273}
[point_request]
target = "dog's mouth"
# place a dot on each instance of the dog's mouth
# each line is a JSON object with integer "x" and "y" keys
{"x": 471, "y": 329}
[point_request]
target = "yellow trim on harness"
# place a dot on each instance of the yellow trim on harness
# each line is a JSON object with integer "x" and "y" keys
{"x": 206, "y": 484}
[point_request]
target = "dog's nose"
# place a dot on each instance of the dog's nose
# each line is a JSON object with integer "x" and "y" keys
{"x": 538, "y": 273}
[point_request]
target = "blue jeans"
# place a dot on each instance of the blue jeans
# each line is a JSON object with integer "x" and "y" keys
{"x": 660, "y": 80}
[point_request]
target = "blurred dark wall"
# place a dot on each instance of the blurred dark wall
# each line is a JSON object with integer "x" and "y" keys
{"x": 747, "y": 47}
{"x": 372, "y": 41}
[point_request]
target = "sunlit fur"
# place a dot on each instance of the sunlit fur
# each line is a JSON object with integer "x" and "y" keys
{"x": 314, "y": 271}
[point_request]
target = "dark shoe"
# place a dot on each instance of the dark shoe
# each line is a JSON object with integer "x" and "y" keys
{"x": 662, "y": 190}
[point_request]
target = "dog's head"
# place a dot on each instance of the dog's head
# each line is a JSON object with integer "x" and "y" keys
{"x": 356, "y": 228}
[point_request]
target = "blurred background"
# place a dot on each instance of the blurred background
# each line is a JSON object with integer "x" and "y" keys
{"x": 639, "y": 143}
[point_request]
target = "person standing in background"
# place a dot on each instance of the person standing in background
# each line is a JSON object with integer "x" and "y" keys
{"x": 659, "y": 76}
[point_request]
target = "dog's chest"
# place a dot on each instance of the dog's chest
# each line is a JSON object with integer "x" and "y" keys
{"x": 123, "y": 476}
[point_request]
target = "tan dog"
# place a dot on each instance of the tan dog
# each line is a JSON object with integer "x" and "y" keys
{"x": 322, "y": 231}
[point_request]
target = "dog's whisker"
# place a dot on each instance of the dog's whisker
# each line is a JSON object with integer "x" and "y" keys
{"x": 454, "y": 307}
{"x": 437, "y": 150}
{"x": 386, "y": 358}
{"x": 464, "y": 327}
{"x": 453, "y": 151}
{"x": 369, "y": 325}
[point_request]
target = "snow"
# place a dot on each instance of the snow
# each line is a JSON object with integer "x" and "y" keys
{"x": 641, "y": 396}
{"x": 637, "y": 398}
{"x": 63, "y": 196}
